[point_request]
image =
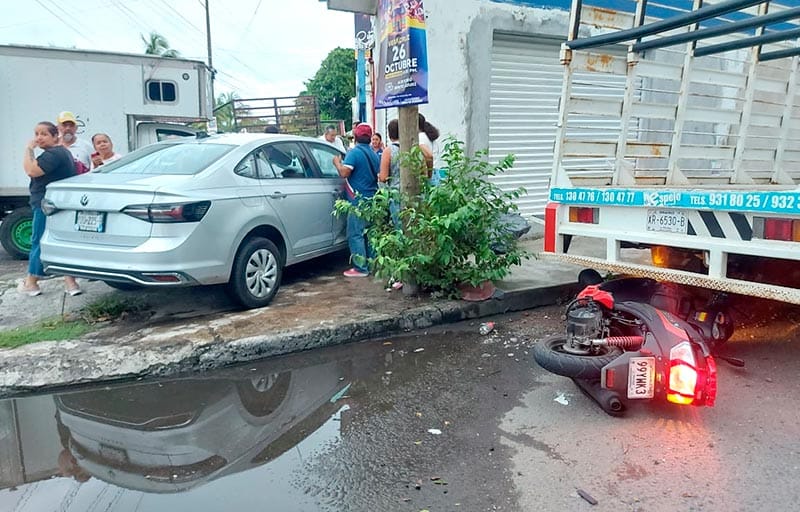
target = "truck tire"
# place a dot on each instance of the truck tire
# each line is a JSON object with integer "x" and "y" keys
{"x": 256, "y": 273}
{"x": 550, "y": 355}
{"x": 15, "y": 233}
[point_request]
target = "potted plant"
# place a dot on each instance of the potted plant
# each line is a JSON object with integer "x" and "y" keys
{"x": 451, "y": 234}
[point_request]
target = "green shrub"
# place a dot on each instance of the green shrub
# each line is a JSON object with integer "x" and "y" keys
{"x": 450, "y": 231}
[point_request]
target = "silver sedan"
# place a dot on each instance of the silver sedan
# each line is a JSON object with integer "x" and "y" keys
{"x": 231, "y": 208}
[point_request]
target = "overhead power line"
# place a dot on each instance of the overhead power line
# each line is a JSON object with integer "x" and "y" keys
{"x": 62, "y": 20}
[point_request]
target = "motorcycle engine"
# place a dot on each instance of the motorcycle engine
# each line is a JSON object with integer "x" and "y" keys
{"x": 584, "y": 324}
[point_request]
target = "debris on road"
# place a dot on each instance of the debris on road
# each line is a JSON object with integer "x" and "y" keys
{"x": 341, "y": 394}
{"x": 586, "y": 496}
{"x": 562, "y": 399}
{"x": 486, "y": 328}
{"x": 435, "y": 431}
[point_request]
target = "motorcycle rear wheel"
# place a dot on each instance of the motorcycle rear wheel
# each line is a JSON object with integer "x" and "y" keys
{"x": 550, "y": 355}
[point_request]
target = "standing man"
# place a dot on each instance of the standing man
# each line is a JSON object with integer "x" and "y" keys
{"x": 360, "y": 171}
{"x": 80, "y": 149}
{"x": 330, "y": 136}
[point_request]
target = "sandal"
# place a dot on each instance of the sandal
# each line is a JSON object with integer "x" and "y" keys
{"x": 74, "y": 291}
{"x": 30, "y": 292}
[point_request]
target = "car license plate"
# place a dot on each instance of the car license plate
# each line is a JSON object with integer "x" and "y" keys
{"x": 90, "y": 221}
{"x": 641, "y": 377}
{"x": 670, "y": 221}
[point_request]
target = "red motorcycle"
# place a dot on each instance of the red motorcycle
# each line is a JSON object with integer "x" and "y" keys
{"x": 640, "y": 339}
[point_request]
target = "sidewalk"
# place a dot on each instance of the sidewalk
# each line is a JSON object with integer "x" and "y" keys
{"x": 326, "y": 310}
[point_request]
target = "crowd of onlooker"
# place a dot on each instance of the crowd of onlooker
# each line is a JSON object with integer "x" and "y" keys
{"x": 62, "y": 155}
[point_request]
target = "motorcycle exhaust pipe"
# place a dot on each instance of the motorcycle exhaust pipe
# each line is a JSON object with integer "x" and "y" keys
{"x": 607, "y": 399}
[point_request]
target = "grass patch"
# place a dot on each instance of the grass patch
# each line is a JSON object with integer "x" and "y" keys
{"x": 112, "y": 308}
{"x": 73, "y": 326}
{"x": 48, "y": 330}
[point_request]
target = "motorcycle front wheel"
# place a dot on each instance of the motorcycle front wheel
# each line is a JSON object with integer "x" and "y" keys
{"x": 549, "y": 353}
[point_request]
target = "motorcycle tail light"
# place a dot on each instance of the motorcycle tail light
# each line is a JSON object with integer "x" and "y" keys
{"x": 711, "y": 381}
{"x": 692, "y": 381}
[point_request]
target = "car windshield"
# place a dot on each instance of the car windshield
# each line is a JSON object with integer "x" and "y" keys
{"x": 159, "y": 159}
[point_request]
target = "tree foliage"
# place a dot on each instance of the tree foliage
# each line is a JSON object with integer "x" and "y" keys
{"x": 156, "y": 44}
{"x": 456, "y": 233}
{"x": 334, "y": 85}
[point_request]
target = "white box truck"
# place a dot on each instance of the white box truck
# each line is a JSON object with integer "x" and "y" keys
{"x": 703, "y": 164}
{"x": 135, "y": 99}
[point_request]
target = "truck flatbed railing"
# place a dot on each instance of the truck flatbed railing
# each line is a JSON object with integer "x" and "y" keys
{"x": 296, "y": 115}
{"x": 700, "y": 96}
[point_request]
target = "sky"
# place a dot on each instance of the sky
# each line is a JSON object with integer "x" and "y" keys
{"x": 260, "y": 48}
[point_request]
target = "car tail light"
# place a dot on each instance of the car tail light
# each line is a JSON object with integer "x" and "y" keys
{"x": 160, "y": 213}
{"x": 770, "y": 228}
{"x": 692, "y": 379}
{"x": 48, "y": 207}
{"x": 583, "y": 215}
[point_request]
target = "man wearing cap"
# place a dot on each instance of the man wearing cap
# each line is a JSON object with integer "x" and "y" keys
{"x": 80, "y": 149}
{"x": 360, "y": 171}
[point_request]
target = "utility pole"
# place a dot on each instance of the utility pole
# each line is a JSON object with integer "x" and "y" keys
{"x": 408, "y": 125}
{"x": 210, "y": 64}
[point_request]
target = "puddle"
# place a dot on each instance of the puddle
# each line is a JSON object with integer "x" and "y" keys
{"x": 317, "y": 431}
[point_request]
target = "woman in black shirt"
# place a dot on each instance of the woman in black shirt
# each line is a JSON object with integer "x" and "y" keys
{"x": 55, "y": 163}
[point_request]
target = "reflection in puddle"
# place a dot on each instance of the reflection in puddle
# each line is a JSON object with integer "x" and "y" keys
{"x": 167, "y": 445}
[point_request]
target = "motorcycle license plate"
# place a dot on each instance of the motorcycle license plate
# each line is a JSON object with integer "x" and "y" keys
{"x": 641, "y": 377}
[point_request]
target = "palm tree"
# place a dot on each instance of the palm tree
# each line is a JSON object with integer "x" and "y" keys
{"x": 225, "y": 115}
{"x": 157, "y": 44}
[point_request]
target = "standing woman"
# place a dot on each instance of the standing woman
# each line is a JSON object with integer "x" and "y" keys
{"x": 55, "y": 163}
{"x": 103, "y": 150}
{"x": 390, "y": 168}
{"x": 428, "y": 143}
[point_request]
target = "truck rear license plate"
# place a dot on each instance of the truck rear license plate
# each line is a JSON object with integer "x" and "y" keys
{"x": 641, "y": 377}
{"x": 90, "y": 221}
{"x": 670, "y": 221}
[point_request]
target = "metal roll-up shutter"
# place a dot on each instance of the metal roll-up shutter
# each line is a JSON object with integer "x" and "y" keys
{"x": 523, "y": 110}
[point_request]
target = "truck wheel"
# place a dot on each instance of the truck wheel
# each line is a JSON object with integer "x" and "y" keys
{"x": 550, "y": 355}
{"x": 256, "y": 273}
{"x": 15, "y": 233}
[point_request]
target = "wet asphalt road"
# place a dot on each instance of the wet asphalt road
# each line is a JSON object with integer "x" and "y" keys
{"x": 444, "y": 420}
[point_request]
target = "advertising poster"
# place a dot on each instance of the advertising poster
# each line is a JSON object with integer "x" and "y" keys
{"x": 365, "y": 34}
{"x": 402, "y": 77}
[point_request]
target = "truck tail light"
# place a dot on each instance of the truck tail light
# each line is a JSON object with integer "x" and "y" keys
{"x": 771, "y": 228}
{"x": 164, "y": 213}
{"x": 692, "y": 379}
{"x": 550, "y": 219}
{"x": 583, "y": 215}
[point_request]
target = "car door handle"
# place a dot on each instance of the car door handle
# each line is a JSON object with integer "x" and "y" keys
{"x": 277, "y": 195}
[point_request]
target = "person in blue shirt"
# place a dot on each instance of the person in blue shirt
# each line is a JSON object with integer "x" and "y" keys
{"x": 360, "y": 170}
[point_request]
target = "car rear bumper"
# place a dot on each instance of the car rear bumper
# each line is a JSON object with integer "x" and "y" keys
{"x": 150, "y": 278}
{"x": 158, "y": 262}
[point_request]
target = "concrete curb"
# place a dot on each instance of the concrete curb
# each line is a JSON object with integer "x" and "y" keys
{"x": 50, "y": 365}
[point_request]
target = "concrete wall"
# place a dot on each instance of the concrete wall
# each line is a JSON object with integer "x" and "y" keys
{"x": 459, "y": 36}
